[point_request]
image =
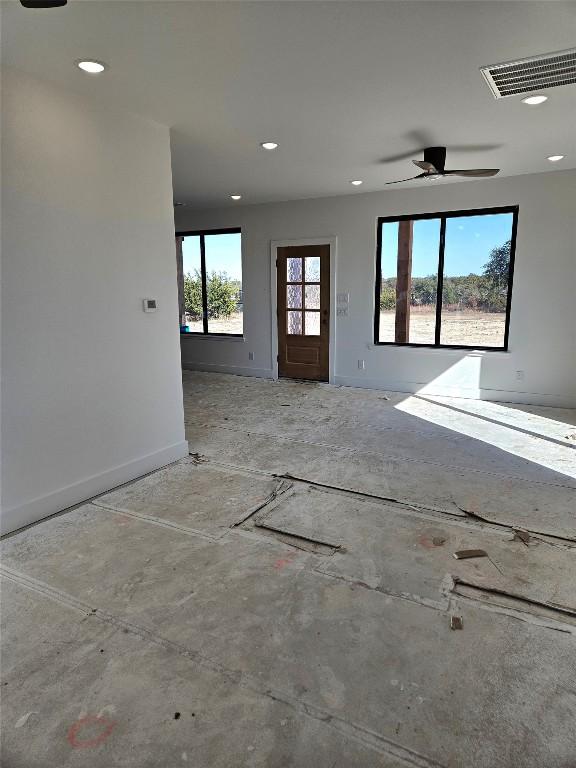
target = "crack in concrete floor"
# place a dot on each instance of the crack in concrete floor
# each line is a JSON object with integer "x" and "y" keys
{"x": 372, "y": 672}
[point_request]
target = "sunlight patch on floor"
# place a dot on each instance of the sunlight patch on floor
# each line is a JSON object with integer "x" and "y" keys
{"x": 512, "y": 415}
{"x": 535, "y": 438}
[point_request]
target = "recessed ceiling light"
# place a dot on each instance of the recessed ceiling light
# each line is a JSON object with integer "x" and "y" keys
{"x": 533, "y": 100}
{"x": 555, "y": 158}
{"x": 91, "y": 66}
{"x": 236, "y": 197}
{"x": 269, "y": 145}
{"x": 356, "y": 182}
{"x": 178, "y": 204}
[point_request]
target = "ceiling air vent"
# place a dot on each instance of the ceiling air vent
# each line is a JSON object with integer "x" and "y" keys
{"x": 534, "y": 74}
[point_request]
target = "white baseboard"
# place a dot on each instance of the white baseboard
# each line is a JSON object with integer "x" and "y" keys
{"x": 260, "y": 373}
{"x": 77, "y": 493}
{"x": 495, "y": 395}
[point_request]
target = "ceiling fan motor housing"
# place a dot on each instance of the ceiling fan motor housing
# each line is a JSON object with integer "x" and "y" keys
{"x": 43, "y": 3}
{"x": 436, "y": 156}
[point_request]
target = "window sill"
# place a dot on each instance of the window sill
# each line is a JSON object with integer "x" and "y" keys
{"x": 208, "y": 336}
{"x": 431, "y": 348}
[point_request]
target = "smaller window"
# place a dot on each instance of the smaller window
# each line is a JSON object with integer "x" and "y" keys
{"x": 445, "y": 279}
{"x": 211, "y": 299}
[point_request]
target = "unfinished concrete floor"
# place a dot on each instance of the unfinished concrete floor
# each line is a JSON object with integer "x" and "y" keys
{"x": 284, "y": 597}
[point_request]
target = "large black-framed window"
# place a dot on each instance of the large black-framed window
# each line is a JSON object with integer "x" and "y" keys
{"x": 444, "y": 280}
{"x": 210, "y": 282}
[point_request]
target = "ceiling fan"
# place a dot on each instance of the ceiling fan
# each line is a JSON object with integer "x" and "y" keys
{"x": 43, "y": 3}
{"x": 433, "y": 167}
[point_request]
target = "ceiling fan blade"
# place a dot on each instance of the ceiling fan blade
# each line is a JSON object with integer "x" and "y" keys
{"x": 425, "y": 165}
{"x": 420, "y": 176}
{"x": 474, "y": 172}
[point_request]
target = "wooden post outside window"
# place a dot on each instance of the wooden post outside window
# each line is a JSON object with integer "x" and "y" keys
{"x": 403, "y": 281}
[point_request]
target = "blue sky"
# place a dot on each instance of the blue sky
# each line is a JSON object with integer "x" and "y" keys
{"x": 469, "y": 240}
{"x": 222, "y": 254}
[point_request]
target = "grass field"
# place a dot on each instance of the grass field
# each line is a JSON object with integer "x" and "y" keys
{"x": 470, "y": 328}
{"x": 232, "y": 324}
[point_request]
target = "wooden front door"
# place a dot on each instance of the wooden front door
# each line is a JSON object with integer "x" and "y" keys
{"x": 303, "y": 280}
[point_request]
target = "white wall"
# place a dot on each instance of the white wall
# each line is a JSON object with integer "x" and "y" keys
{"x": 543, "y": 320}
{"x": 91, "y": 389}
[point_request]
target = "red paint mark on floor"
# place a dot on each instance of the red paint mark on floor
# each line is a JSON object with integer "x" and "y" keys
{"x": 101, "y": 727}
{"x": 282, "y": 562}
{"x": 122, "y": 519}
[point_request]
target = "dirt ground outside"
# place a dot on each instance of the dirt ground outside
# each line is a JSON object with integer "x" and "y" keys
{"x": 470, "y": 328}
{"x": 483, "y": 329}
{"x": 232, "y": 324}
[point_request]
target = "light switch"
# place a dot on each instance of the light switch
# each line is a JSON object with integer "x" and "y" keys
{"x": 149, "y": 305}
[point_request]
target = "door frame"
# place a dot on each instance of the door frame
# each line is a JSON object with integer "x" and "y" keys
{"x": 331, "y": 241}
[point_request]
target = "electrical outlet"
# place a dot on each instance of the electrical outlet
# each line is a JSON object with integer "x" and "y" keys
{"x": 250, "y": 355}
{"x": 361, "y": 365}
{"x": 341, "y": 311}
{"x": 520, "y": 375}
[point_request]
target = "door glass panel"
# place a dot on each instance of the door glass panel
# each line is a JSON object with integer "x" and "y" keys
{"x": 294, "y": 270}
{"x": 312, "y": 295}
{"x": 312, "y": 269}
{"x": 312, "y": 323}
{"x": 295, "y": 323}
{"x": 294, "y": 296}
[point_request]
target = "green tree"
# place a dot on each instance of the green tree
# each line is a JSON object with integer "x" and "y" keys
{"x": 487, "y": 292}
{"x": 498, "y": 265}
{"x": 193, "y": 295}
{"x": 450, "y": 293}
{"x": 387, "y": 296}
{"x": 222, "y": 295}
{"x": 423, "y": 291}
{"x": 496, "y": 272}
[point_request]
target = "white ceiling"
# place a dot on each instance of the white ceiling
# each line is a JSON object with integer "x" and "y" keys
{"x": 344, "y": 87}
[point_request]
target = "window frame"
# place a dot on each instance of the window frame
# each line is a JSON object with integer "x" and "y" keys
{"x": 443, "y": 216}
{"x": 201, "y": 233}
